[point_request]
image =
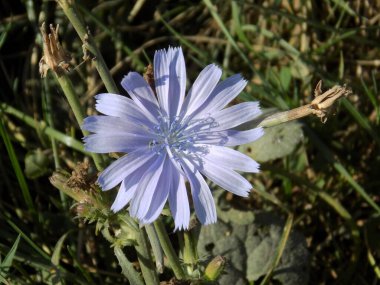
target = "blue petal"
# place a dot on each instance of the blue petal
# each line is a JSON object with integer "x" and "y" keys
{"x": 179, "y": 202}
{"x": 224, "y": 93}
{"x": 142, "y": 200}
{"x": 161, "y": 193}
{"x": 230, "y": 158}
{"x": 113, "y": 125}
{"x": 123, "y": 167}
{"x": 142, "y": 95}
{"x": 120, "y": 106}
{"x": 170, "y": 79}
{"x": 115, "y": 142}
{"x": 201, "y": 89}
{"x": 127, "y": 190}
{"x": 203, "y": 201}
{"x": 236, "y": 115}
{"x": 229, "y": 137}
{"x": 226, "y": 178}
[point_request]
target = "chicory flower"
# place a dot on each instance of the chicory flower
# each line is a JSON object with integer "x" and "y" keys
{"x": 171, "y": 138}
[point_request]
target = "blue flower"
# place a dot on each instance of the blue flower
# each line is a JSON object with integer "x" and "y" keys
{"x": 172, "y": 138}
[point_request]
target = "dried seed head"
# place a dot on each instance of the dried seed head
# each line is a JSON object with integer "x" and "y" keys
{"x": 323, "y": 102}
{"x": 54, "y": 57}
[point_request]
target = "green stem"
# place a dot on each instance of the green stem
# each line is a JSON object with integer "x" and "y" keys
{"x": 127, "y": 268}
{"x": 169, "y": 250}
{"x": 42, "y": 127}
{"x": 190, "y": 255}
{"x": 145, "y": 259}
{"x": 49, "y": 118}
{"x": 72, "y": 14}
{"x": 48, "y": 110}
{"x": 76, "y": 107}
{"x": 156, "y": 247}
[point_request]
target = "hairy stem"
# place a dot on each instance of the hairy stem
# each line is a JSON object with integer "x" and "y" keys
{"x": 75, "y": 105}
{"x": 145, "y": 259}
{"x": 127, "y": 268}
{"x": 89, "y": 44}
{"x": 169, "y": 250}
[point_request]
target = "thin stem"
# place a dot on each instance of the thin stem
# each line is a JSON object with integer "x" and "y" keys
{"x": 286, "y": 116}
{"x": 145, "y": 259}
{"x": 42, "y": 127}
{"x": 89, "y": 43}
{"x": 169, "y": 250}
{"x": 49, "y": 118}
{"x": 75, "y": 105}
{"x": 127, "y": 268}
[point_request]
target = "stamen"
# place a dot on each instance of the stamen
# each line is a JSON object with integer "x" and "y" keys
{"x": 177, "y": 137}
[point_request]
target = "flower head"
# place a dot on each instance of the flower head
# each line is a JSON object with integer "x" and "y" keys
{"x": 173, "y": 138}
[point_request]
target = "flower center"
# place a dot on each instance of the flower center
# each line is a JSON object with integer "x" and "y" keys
{"x": 178, "y": 137}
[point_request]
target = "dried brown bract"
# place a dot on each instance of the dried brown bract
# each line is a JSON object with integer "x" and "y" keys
{"x": 149, "y": 76}
{"x": 54, "y": 56}
{"x": 323, "y": 102}
{"x": 80, "y": 177}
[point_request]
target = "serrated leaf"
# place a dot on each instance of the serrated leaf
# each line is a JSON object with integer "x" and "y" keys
{"x": 36, "y": 164}
{"x": 277, "y": 142}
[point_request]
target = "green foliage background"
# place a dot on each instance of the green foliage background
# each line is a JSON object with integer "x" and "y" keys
{"x": 329, "y": 183}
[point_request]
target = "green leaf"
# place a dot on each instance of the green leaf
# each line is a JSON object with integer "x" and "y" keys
{"x": 237, "y": 216}
{"x": 56, "y": 256}
{"x": 285, "y": 78}
{"x": 7, "y": 262}
{"x": 277, "y": 142}
{"x": 250, "y": 250}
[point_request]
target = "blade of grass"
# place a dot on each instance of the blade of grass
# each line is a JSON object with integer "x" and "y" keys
{"x": 28, "y": 240}
{"x": 72, "y": 14}
{"x": 329, "y": 156}
{"x": 182, "y": 40}
{"x": 280, "y": 249}
{"x": 371, "y": 96}
{"x": 17, "y": 169}
{"x": 361, "y": 120}
{"x": 41, "y": 125}
{"x": 78, "y": 265}
{"x": 56, "y": 256}
{"x": 135, "y": 59}
{"x": 8, "y": 259}
{"x": 228, "y": 35}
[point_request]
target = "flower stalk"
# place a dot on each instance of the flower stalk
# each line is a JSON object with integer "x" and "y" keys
{"x": 145, "y": 259}
{"x": 156, "y": 247}
{"x": 89, "y": 44}
{"x": 320, "y": 106}
{"x": 169, "y": 250}
{"x": 190, "y": 255}
{"x": 57, "y": 60}
{"x": 74, "y": 103}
